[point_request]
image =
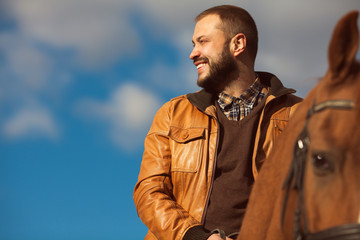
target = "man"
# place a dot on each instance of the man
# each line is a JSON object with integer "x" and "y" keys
{"x": 204, "y": 150}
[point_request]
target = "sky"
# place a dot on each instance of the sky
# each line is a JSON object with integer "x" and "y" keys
{"x": 80, "y": 82}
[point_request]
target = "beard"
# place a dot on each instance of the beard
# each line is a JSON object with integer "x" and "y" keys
{"x": 220, "y": 72}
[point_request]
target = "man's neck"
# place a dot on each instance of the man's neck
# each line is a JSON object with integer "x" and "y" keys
{"x": 240, "y": 84}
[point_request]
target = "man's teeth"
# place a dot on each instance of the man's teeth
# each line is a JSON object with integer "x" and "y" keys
{"x": 200, "y": 65}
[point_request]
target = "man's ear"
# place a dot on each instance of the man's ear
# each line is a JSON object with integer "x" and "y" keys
{"x": 238, "y": 44}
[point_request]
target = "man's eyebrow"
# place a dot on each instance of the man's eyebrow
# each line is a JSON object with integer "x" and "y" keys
{"x": 198, "y": 38}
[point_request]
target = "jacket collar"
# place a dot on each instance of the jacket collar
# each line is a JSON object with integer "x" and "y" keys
{"x": 203, "y": 98}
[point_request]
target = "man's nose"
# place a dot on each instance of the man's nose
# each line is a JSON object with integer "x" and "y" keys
{"x": 194, "y": 53}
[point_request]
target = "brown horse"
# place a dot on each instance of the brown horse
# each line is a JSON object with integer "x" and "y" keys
{"x": 309, "y": 188}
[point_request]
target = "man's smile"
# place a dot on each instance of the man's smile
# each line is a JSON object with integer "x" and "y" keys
{"x": 200, "y": 64}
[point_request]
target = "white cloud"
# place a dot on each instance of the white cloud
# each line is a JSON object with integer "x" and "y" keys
{"x": 176, "y": 16}
{"x": 27, "y": 65}
{"x": 98, "y": 31}
{"x": 27, "y": 73}
{"x": 132, "y": 106}
{"x": 31, "y": 122}
{"x": 128, "y": 113}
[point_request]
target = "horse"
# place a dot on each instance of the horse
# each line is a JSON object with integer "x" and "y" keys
{"x": 309, "y": 187}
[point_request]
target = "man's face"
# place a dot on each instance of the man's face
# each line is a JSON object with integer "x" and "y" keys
{"x": 211, "y": 54}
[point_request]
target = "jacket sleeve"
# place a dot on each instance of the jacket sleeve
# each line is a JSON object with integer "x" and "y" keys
{"x": 153, "y": 197}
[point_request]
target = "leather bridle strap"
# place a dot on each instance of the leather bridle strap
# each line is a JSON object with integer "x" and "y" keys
{"x": 296, "y": 177}
{"x": 334, "y": 104}
{"x": 342, "y": 232}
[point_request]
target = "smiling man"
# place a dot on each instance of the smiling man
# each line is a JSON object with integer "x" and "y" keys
{"x": 204, "y": 150}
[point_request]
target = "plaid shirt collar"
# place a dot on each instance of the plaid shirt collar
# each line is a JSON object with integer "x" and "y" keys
{"x": 237, "y": 108}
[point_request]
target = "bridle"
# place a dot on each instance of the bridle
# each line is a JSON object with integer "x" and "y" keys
{"x": 296, "y": 175}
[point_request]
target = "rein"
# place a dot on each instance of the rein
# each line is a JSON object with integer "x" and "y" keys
{"x": 296, "y": 176}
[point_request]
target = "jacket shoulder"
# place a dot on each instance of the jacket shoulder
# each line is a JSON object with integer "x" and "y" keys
{"x": 176, "y": 111}
{"x": 178, "y": 99}
{"x": 169, "y": 105}
{"x": 284, "y": 106}
{"x": 293, "y": 99}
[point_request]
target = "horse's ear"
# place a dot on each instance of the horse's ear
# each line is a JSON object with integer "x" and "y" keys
{"x": 343, "y": 46}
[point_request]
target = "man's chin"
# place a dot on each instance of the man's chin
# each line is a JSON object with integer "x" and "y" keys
{"x": 208, "y": 84}
{"x": 202, "y": 82}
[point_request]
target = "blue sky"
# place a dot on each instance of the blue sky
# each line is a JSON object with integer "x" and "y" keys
{"x": 80, "y": 81}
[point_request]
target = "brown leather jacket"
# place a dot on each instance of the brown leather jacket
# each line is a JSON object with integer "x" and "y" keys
{"x": 177, "y": 169}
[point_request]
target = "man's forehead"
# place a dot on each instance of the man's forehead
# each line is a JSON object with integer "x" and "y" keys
{"x": 212, "y": 20}
{"x": 206, "y": 26}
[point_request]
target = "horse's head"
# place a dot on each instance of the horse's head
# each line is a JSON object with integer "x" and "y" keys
{"x": 328, "y": 147}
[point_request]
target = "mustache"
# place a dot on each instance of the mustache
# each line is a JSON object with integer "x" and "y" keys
{"x": 202, "y": 59}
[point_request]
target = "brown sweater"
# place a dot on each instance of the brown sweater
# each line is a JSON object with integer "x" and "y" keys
{"x": 233, "y": 175}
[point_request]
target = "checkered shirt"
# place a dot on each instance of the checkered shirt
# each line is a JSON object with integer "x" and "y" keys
{"x": 237, "y": 108}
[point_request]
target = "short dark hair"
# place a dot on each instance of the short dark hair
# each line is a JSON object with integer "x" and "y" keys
{"x": 236, "y": 20}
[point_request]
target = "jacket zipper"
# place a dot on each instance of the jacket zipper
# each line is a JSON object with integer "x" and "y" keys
{"x": 213, "y": 172}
